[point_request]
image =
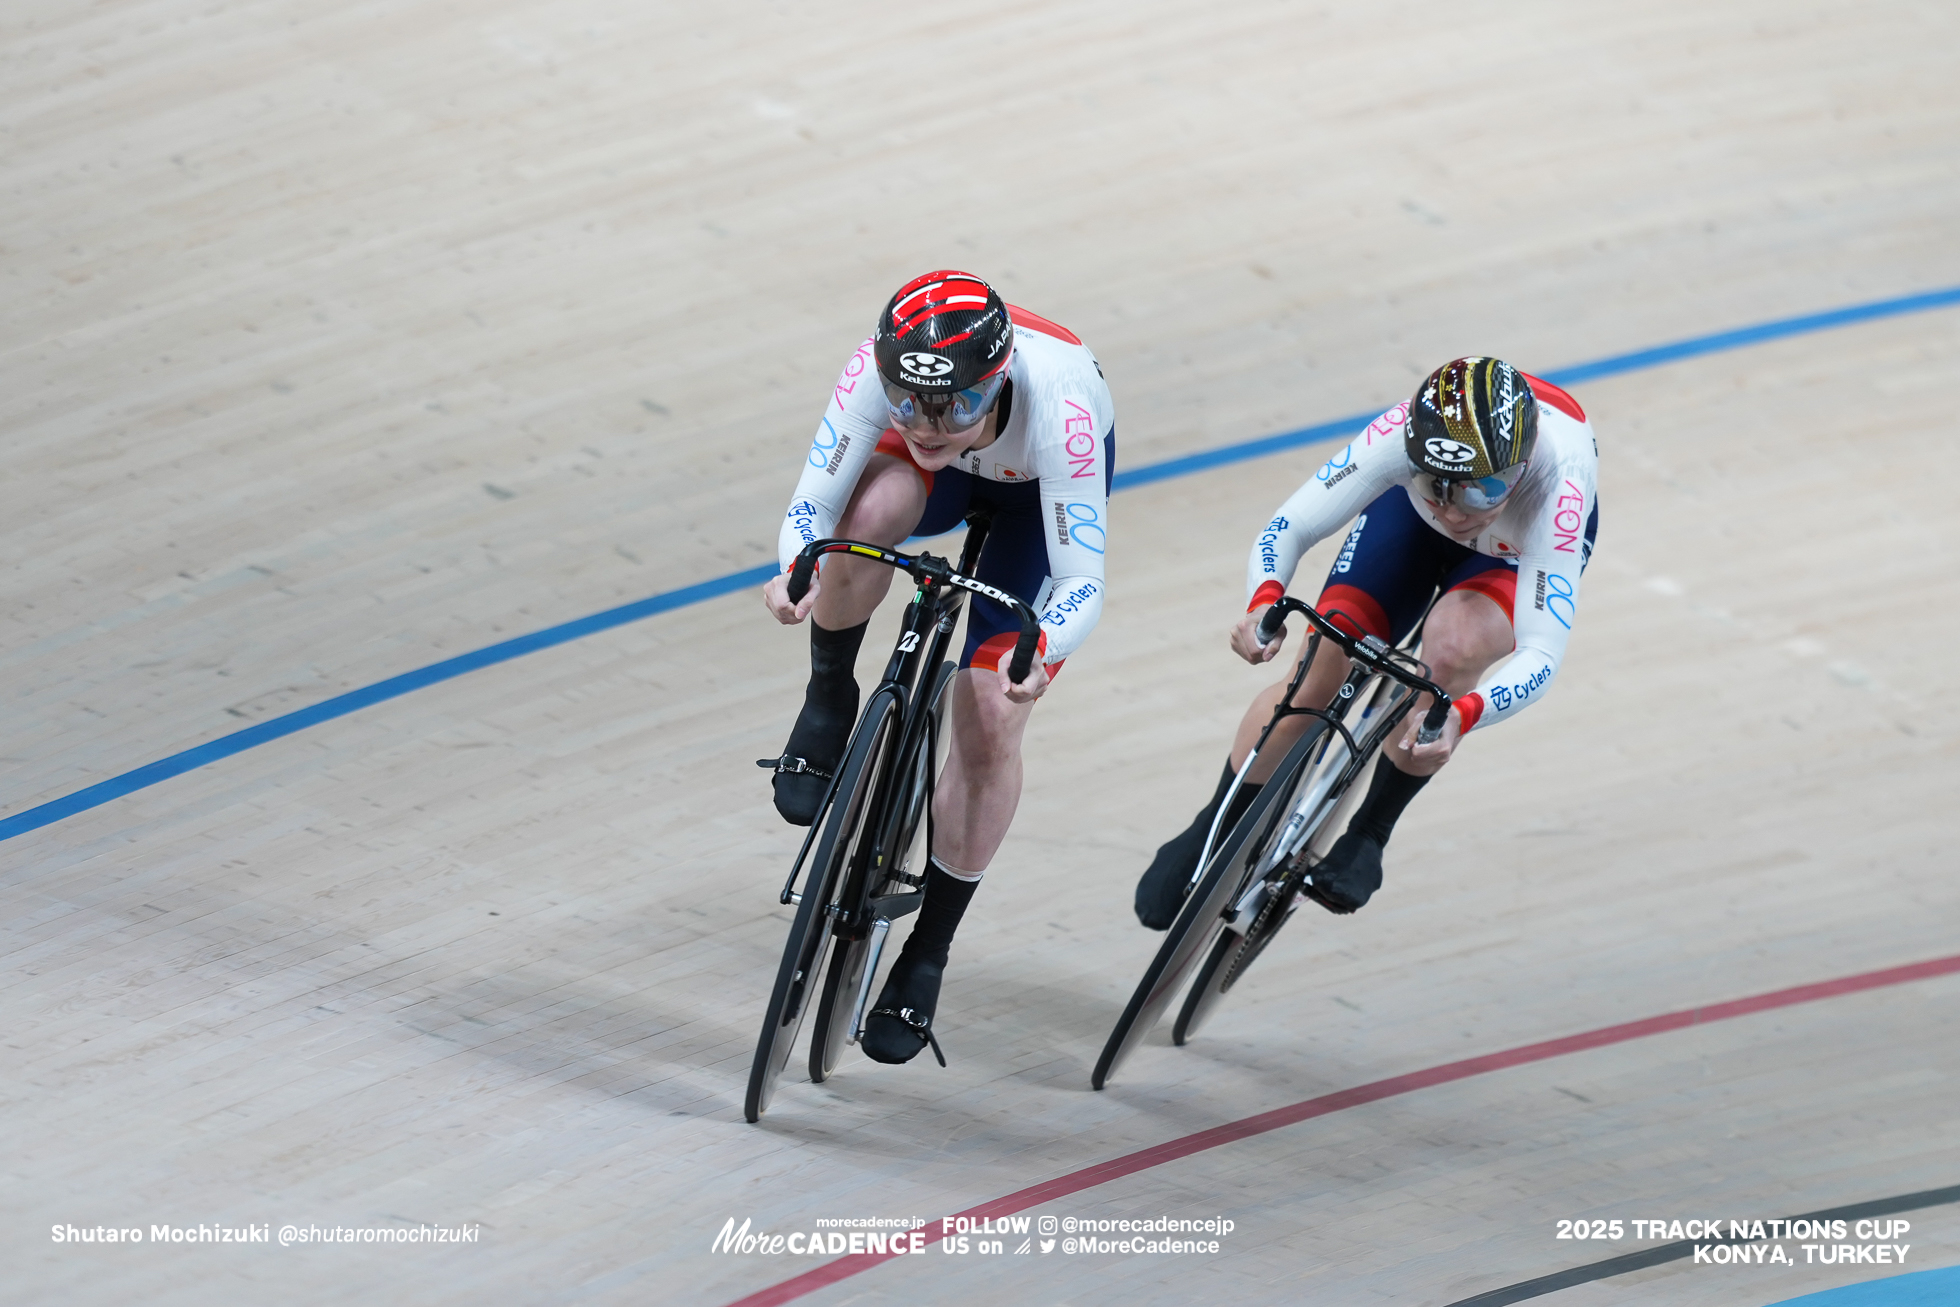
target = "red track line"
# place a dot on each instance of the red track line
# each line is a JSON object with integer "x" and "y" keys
{"x": 1130, "y": 1163}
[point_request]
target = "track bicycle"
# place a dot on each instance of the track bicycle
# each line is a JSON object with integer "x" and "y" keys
{"x": 1242, "y": 893}
{"x": 875, "y": 822}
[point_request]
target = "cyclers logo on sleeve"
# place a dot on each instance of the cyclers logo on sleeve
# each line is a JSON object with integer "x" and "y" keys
{"x": 803, "y": 520}
{"x": 1346, "y": 560}
{"x": 1058, "y": 612}
{"x": 1523, "y": 690}
{"x": 1079, "y": 524}
{"x": 1269, "y": 545}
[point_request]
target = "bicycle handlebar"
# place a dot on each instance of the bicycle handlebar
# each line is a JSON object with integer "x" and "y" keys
{"x": 800, "y": 573}
{"x": 928, "y": 571}
{"x": 1367, "y": 650}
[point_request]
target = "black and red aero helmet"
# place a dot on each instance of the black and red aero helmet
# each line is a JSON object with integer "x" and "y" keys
{"x": 1471, "y": 418}
{"x": 943, "y": 332}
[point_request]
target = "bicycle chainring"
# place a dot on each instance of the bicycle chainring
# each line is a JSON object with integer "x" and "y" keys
{"x": 1264, "y": 926}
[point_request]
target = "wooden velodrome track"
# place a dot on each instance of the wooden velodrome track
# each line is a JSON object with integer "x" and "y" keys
{"x": 344, "y": 339}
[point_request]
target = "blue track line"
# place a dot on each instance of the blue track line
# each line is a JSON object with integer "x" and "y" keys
{"x": 94, "y": 796}
{"x": 395, "y": 686}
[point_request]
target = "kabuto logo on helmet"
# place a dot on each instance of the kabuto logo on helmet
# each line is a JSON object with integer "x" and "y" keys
{"x": 925, "y": 365}
{"x": 1449, "y": 453}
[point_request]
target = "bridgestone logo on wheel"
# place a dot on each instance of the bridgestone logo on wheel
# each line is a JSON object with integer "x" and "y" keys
{"x": 925, "y": 365}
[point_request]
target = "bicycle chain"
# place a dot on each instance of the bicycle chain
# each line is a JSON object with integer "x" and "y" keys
{"x": 1256, "y": 935}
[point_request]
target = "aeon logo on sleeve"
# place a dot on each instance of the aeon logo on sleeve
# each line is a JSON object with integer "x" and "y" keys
{"x": 1388, "y": 422}
{"x": 1079, "y": 440}
{"x": 1453, "y": 453}
{"x": 925, "y": 365}
{"x": 1568, "y": 519}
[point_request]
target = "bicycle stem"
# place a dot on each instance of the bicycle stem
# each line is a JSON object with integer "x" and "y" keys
{"x": 1370, "y": 651}
{"x": 928, "y": 571}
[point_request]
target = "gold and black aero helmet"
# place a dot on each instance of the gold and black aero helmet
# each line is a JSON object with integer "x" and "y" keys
{"x": 1472, "y": 427}
{"x": 943, "y": 344}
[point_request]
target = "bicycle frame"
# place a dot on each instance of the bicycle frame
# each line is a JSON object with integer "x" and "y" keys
{"x": 1371, "y": 656}
{"x": 911, "y": 680}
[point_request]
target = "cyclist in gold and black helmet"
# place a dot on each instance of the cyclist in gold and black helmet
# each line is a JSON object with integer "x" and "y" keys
{"x": 1481, "y": 487}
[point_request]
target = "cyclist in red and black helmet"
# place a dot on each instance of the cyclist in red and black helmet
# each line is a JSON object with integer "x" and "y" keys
{"x": 957, "y": 401}
{"x": 1478, "y": 491}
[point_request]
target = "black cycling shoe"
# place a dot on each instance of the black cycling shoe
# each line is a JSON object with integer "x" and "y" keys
{"x": 1167, "y": 880}
{"x": 901, "y": 1024}
{"x": 1349, "y": 875}
{"x": 816, "y": 745}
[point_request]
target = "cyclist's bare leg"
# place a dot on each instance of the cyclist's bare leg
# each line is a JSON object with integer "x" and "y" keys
{"x": 981, "y": 785}
{"x": 1328, "y": 671}
{"x": 1465, "y": 634}
{"x": 884, "y": 508}
{"x": 973, "y": 805}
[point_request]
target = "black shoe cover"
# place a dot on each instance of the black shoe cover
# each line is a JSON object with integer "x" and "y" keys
{"x": 1161, "y": 891}
{"x": 1349, "y": 875}
{"x": 822, "y": 730}
{"x": 900, "y": 1024}
{"x": 1166, "y": 882}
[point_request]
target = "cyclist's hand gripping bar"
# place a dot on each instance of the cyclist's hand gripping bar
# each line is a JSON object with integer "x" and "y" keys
{"x": 1366, "y": 650}
{"x": 1269, "y": 625}
{"x": 928, "y": 571}
{"x": 802, "y": 570}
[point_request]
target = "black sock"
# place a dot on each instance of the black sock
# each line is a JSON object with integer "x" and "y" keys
{"x": 1240, "y": 801}
{"x": 833, "y": 659}
{"x": 1388, "y": 793}
{"x": 1201, "y": 824}
{"x": 939, "y": 916}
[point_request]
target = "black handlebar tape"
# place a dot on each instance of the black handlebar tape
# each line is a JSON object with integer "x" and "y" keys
{"x": 800, "y": 573}
{"x": 1023, "y": 660}
{"x": 1270, "y": 624}
{"x": 1432, "y": 722}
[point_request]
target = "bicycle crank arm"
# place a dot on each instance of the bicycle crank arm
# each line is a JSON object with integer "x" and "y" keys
{"x": 1246, "y": 910}
{"x": 879, "y": 929}
{"x": 894, "y": 906}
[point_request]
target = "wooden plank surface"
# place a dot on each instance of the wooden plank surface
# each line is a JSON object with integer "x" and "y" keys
{"x": 342, "y": 339}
